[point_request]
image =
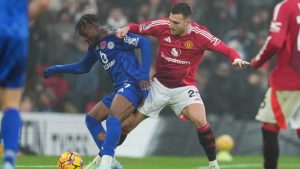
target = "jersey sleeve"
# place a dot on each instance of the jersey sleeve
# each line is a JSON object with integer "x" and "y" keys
{"x": 83, "y": 66}
{"x": 136, "y": 41}
{"x": 276, "y": 38}
{"x": 152, "y": 28}
{"x": 215, "y": 44}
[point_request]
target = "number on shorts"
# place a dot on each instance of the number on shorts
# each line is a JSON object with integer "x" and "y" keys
{"x": 193, "y": 93}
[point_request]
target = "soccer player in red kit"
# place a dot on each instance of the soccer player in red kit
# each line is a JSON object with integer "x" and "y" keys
{"x": 282, "y": 100}
{"x": 182, "y": 43}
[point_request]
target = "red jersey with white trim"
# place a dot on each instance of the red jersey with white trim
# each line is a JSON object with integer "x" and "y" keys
{"x": 178, "y": 57}
{"x": 284, "y": 41}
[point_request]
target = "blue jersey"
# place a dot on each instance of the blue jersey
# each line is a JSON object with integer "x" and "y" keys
{"x": 14, "y": 18}
{"x": 117, "y": 57}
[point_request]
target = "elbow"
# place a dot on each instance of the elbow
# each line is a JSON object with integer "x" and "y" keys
{"x": 44, "y": 4}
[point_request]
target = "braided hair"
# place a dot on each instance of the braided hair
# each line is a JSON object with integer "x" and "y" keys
{"x": 87, "y": 19}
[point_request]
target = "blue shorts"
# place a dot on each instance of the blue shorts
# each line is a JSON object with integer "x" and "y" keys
{"x": 13, "y": 57}
{"x": 131, "y": 92}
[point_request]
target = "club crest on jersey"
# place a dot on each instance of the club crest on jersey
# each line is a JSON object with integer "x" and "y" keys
{"x": 110, "y": 45}
{"x": 188, "y": 44}
{"x": 102, "y": 44}
{"x": 175, "y": 52}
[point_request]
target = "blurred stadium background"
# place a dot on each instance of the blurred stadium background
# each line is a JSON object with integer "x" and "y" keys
{"x": 53, "y": 109}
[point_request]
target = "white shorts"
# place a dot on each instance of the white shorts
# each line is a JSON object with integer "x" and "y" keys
{"x": 161, "y": 96}
{"x": 287, "y": 109}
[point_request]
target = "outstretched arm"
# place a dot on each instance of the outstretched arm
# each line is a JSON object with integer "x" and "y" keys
{"x": 276, "y": 38}
{"x": 83, "y": 66}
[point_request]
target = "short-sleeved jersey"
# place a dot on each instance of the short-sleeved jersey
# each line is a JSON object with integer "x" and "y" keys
{"x": 117, "y": 57}
{"x": 178, "y": 57}
{"x": 14, "y": 18}
{"x": 284, "y": 41}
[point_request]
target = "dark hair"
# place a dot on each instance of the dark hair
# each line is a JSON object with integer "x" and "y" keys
{"x": 87, "y": 19}
{"x": 182, "y": 8}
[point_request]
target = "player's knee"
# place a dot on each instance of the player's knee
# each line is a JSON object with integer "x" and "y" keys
{"x": 271, "y": 127}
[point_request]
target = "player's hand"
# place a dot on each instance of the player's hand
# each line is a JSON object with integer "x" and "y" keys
{"x": 49, "y": 72}
{"x": 121, "y": 32}
{"x": 239, "y": 63}
{"x": 144, "y": 85}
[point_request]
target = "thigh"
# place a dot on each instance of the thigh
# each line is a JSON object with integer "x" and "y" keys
{"x": 183, "y": 97}
{"x": 121, "y": 107}
{"x": 290, "y": 103}
{"x": 156, "y": 100}
{"x": 132, "y": 121}
{"x": 100, "y": 111}
{"x": 10, "y": 98}
{"x": 265, "y": 113}
{"x": 196, "y": 113}
{"x": 13, "y": 63}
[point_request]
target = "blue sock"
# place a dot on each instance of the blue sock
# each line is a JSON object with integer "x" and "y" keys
{"x": 112, "y": 138}
{"x": 11, "y": 125}
{"x": 95, "y": 127}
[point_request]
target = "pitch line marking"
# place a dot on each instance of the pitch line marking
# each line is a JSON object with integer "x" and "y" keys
{"x": 245, "y": 165}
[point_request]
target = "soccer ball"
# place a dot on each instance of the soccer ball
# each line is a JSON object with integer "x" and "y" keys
{"x": 69, "y": 160}
{"x": 224, "y": 143}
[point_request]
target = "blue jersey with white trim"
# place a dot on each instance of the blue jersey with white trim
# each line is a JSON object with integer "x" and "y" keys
{"x": 14, "y": 18}
{"x": 118, "y": 58}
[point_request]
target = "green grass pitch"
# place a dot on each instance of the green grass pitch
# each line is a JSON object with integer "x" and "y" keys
{"x": 239, "y": 162}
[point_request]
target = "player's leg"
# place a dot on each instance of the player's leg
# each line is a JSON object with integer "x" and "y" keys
{"x": 120, "y": 109}
{"x": 270, "y": 145}
{"x": 93, "y": 121}
{"x": 187, "y": 102}
{"x": 196, "y": 113}
{"x": 131, "y": 123}
{"x": 270, "y": 130}
{"x": 11, "y": 123}
{"x": 124, "y": 103}
{"x": 13, "y": 63}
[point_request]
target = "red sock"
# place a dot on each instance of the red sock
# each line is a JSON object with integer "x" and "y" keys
{"x": 207, "y": 140}
{"x": 298, "y": 132}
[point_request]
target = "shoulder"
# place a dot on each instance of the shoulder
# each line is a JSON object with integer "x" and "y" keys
{"x": 162, "y": 22}
{"x": 200, "y": 31}
{"x": 131, "y": 39}
{"x": 284, "y": 5}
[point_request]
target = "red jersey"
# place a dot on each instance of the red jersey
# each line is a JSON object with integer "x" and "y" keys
{"x": 284, "y": 41}
{"x": 178, "y": 57}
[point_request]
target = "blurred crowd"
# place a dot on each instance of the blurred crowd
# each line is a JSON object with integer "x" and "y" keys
{"x": 243, "y": 25}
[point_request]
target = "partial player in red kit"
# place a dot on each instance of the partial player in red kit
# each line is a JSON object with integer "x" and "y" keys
{"x": 182, "y": 43}
{"x": 282, "y": 100}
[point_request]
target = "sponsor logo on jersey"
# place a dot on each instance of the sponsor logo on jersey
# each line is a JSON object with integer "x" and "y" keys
{"x": 168, "y": 39}
{"x": 144, "y": 27}
{"x": 110, "y": 45}
{"x": 109, "y": 65}
{"x": 188, "y": 44}
{"x": 102, "y": 44}
{"x": 131, "y": 41}
{"x": 182, "y": 62}
{"x": 175, "y": 52}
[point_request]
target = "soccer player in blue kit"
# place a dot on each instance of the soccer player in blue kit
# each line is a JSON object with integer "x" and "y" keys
{"x": 14, "y": 23}
{"x": 130, "y": 80}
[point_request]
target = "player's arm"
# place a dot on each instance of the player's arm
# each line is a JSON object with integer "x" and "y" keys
{"x": 80, "y": 67}
{"x": 217, "y": 45}
{"x": 136, "y": 41}
{"x": 36, "y": 7}
{"x": 276, "y": 38}
{"x": 148, "y": 28}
